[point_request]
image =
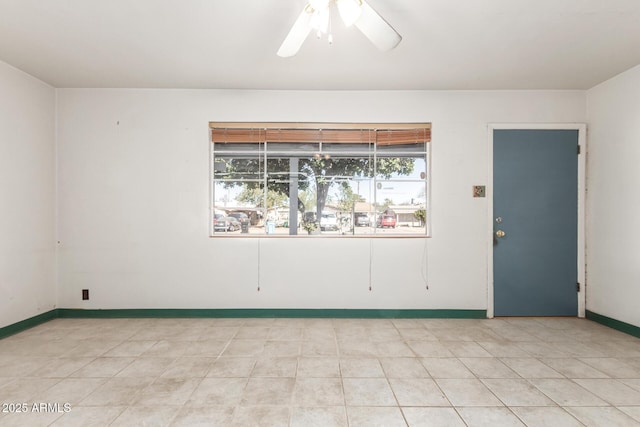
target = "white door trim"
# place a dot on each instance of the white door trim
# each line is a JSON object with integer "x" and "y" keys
{"x": 582, "y": 179}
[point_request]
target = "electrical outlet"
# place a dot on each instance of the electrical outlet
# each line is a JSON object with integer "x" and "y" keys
{"x": 85, "y": 294}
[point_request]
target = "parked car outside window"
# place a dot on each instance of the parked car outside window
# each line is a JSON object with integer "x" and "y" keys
{"x": 328, "y": 221}
{"x": 362, "y": 219}
{"x": 387, "y": 221}
{"x": 220, "y": 223}
{"x": 240, "y": 216}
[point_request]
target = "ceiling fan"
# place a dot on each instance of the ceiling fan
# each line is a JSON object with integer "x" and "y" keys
{"x": 316, "y": 15}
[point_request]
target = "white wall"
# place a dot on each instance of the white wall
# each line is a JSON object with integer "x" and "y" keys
{"x": 613, "y": 204}
{"x": 27, "y": 196}
{"x": 134, "y": 198}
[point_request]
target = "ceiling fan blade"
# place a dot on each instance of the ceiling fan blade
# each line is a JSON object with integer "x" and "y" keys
{"x": 376, "y": 29}
{"x": 297, "y": 35}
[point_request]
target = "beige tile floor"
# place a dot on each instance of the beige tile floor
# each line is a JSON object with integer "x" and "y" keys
{"x": 320, "y": 372}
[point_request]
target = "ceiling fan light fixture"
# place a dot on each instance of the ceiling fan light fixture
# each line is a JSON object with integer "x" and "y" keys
{"x": 320, "y": 20}
{"x": 350, "y": 11}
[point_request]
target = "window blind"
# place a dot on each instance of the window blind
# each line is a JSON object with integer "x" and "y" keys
{"x": 350, "y": 136}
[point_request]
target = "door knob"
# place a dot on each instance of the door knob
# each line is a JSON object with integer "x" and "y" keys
{"x": 500, "y": 233}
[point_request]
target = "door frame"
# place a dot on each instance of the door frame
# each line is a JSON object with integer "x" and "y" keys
{"x": 582, "y": 163}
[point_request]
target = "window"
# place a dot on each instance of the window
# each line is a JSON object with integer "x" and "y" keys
{"x": 287, "y": 179}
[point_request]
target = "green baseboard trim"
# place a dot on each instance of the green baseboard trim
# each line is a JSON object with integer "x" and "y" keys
{"x": 627, "y": 328}
{"x": 273, "y": 313}
{"x": 28, "y": 323}
{"x": 72, "y": 313}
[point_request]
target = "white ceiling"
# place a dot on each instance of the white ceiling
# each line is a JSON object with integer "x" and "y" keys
{"x": 232, "y": 44}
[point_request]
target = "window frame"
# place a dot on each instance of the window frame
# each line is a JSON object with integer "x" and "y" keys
{"x": 263, "y": 154}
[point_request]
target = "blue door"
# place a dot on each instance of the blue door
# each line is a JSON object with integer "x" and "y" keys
{"x": 535, "y": 205}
